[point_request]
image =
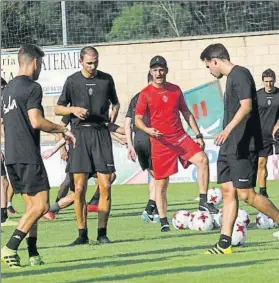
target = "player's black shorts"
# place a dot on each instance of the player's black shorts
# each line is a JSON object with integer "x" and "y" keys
{"x": 72, "y": 183}
{"x": 93, "y": 152}
{"x": 28, "y": 178}
{"x": 241, "y": 171}
{"x": 143, "y": 151}
{"x": 3, "y": 169}
{"x": 269, "y": 149}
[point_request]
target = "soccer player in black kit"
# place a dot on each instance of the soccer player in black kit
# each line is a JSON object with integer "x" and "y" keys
{"x": 23, "y": 120}
{"x": 240, "y": 142}
{"x": 87, "y": 96}
{"x": 268, "y": 103}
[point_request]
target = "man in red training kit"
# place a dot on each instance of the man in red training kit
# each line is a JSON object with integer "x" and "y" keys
{"x": 169, "y": 142}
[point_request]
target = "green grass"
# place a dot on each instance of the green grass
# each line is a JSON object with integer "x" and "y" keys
{"x": 141, "y": 253}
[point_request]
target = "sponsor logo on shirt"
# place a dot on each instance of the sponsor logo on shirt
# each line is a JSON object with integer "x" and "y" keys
{"x": 243, "y": 180}
{"x": 11, "y": 105}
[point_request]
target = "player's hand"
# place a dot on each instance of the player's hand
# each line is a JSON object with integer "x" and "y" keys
{"x": 154, "y": 133}
{"x": 122, "y": 140}
{"x": 201, "y": 143}
{"x": 80, "y": 112}
{"x": 221, "y": 137}
{"x": 132, "y": 154}
{"x": 69, "y": 137}
{"x": 63, "y": 153}
{"x": 46, "y": 154}
{"x": 113, "y": 115}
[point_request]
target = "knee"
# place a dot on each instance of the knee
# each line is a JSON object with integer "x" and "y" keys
{"x": 228, "y": 193}
{"x": 246, "y": 195}
{"x": 40, "y": 209}
{"x": 202, "y": 160}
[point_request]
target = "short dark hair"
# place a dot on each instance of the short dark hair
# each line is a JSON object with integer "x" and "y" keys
{"x": 217, "y": 51}
{"x": 268, "y": 73}
{"x": 86, "y": 50}
{"x": 32, "y": 51}
{"x": 3, "y": 82}
{"x": 149, "y": 77}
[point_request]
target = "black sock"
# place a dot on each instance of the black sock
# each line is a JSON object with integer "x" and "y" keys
{"x": 150, "y": 206}
{"x": 95, "y": 198}
{"x": 203, "y": 198}
{"x": 16, "y": 239}
{"x": 4, "y": 214}
{"x": 54, "y": 208}
{"x": 263, "y": 190}
{"x": 83, "y": 233}
{"x": 224, "y": 241}
{"x": 156, "y": 209}
{"x": 102, "y": 232}
{"x": 32, "y": 246}
{"x": 164, "y": 221}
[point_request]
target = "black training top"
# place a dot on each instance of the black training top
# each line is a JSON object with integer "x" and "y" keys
{"x": 94, "y": 94}
{"x": 22, "y": 141}
{"x": 246, "y": 136}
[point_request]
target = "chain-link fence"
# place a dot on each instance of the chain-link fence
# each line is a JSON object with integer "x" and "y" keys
{"x": 81, "y": 22}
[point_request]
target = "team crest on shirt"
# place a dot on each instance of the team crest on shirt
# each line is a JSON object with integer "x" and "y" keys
{"x": 90, "y": 91}
{"x": 268, "y": 102}
{"x": 165, "y": 98}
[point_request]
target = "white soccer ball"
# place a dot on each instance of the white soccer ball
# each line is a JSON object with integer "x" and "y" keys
{"x": 243, "y": 216}
{"x": 191, "y": 221}
{"x": 180, "y": 219}
{"x": 262, "y": 221}
{"x": 239, "y": 233}
{"x": 217, "y": 219}
{"x": 272, "y": 224}
{"x": 214, "y": 195}
{"x": 203, "y": 221}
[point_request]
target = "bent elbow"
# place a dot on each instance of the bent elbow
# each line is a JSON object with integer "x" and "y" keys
{"x": 35, "y": 123}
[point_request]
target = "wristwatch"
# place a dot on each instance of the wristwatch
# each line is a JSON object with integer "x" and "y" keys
{"x": 65, "y": 130}
{"x": 199, "y": 136}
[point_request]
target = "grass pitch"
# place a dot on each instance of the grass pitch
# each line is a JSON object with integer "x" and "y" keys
{"x": 140, "y": 252}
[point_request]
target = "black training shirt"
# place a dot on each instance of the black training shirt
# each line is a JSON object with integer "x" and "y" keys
{"x": 139, "y": 135}
{"x": 22, "y": 141}
{"x": 94, "y": 94}
{"x": 269, "y": 112}
{"x": 247, "y": 135}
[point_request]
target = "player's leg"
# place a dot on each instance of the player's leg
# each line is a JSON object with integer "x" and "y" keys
{"x": 31, "y": 240}
{"x": 10, "y": 195}
{"x": 194, "y": 154}
{"x": 36, "y": 206}
{"x": 80, "y": 182}
{"x": 262, "y": 168}
{"x": 104, "y": 206}
{"x": 64, "y": 188}
{"x": 229, "y": 209}
{"x": 161, "y": 201}
{"x": 4, "y": 187}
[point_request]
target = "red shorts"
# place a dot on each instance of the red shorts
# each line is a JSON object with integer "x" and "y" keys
{"x": 165, "y": 153}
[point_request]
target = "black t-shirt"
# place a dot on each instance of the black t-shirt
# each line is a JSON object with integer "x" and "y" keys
{"x": 139, "y": 135}
{"x": 22, "y": 141}
{"x": 94, "y": 94}
{"x": 268, "y": 104}
{"x": 67, "y": 119}
{"x": 247, "y": 135}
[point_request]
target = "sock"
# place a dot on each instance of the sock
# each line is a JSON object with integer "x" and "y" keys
{"x": 54, "y": 208}
{"x": 224, "y": 241}
{"x": 95, "y": 198}
{"x": 32, "y": 246}
{"x": 203, "y": 198}
{"x": 150, "y": 206}
{"x": 164, "y": 221}
{"x": 263, "y": 190}
{"x": 16, "y": 239}
{"x": 9, "y": 204}
{"x": 4, "y": 214}
{"x": 83, "y": 233}
{"x": 156, "y": 210}
{"x": 102, "y": 232}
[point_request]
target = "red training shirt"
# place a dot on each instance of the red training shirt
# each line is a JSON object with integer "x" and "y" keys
{"x": 163, "y": 105}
